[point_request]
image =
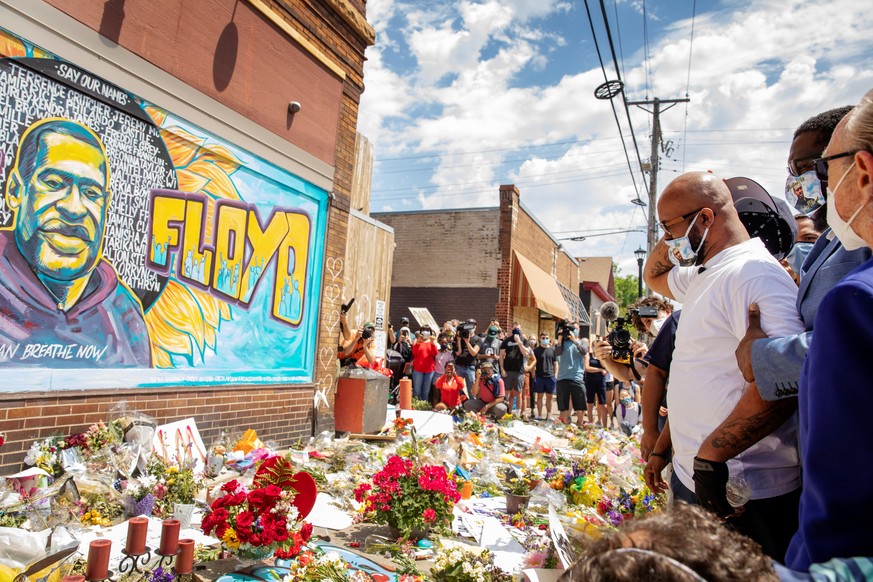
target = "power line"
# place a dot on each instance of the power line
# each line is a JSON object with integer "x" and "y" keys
{"x": 494, "y": 163}
{"x": 623, "y": 100}
{"x": 464, "y": 153}
{"x": 526, "y": 187}
{"x": 688, "y": 82}
{"x": 614, "y": 113}
{"x": 618, "y": 29}
{"x": 528, "y": 176}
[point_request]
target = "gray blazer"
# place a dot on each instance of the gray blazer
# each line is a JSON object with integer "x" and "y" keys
{"x": 776, "y": 362}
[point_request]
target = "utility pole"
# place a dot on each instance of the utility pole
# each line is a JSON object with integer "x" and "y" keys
{"x": 652, "y": 234}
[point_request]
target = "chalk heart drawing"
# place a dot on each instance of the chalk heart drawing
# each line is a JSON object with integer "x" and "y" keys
{"x": 325, "y": 385}
{"x": 330, "y": 320}
{"x": 327, "y": 358}
{"x": 334, "y": 266}
{"x": 331, "y": 294}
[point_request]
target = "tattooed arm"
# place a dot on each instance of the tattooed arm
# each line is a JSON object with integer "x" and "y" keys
{"x": 657, "y": 269}
{"x": 751, "y": 420}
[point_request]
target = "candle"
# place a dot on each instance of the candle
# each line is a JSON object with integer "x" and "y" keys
{"x": 185, "y": 559}
{"x": 98, "y": 560}
{"x": 169, "y": 537}
{"x": 137, "y": 530}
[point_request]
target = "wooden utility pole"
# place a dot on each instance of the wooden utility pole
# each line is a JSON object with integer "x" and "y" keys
{"x": 652, "y": 230}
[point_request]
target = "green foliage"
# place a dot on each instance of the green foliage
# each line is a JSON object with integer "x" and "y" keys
{"x": 626, "y": 289}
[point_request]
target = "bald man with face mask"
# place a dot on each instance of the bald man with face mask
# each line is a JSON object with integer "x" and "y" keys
{"x": 707, "y": 261}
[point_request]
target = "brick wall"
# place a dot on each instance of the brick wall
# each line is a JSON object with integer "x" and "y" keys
{"x": 520, "y": 232}
{"x": 444, "y": 248}
{"x": 278, "y": 413}
{"x": 444, "y": 303}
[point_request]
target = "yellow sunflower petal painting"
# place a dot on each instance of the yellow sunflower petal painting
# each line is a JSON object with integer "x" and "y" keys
{"x": 142, "y": 248}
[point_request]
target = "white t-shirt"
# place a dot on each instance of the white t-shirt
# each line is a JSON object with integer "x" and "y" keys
{"x": 705, "y": 382}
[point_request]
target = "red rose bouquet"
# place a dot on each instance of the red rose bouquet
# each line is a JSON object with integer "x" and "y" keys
{"x": 264, "y": 519}
{"x": 409, "y": 497}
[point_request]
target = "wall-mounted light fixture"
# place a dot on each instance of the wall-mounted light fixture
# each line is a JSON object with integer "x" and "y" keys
{"x": 294, "y": 107}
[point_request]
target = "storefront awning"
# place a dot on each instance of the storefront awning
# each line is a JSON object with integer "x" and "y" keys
{"x": 580, "y": 314}
{"x": 533, "y": 287}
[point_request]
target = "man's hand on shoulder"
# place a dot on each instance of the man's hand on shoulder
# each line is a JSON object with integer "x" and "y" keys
{"x": 744, "y": 349}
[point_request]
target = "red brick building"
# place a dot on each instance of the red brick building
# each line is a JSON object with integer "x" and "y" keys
{"x": 272, "y": 88}
{"x": 497, "y": 262}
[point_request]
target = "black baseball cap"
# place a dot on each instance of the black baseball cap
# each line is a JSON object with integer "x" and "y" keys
{"x": 765, "y": 217}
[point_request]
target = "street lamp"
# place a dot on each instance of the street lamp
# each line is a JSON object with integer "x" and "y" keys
{"x": 640, "y": 254}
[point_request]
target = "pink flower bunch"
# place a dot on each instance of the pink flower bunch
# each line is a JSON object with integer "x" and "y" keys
{"x": 406, "y": 496}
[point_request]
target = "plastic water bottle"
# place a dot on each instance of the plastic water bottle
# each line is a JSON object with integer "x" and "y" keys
{"x": 738, "y": 491}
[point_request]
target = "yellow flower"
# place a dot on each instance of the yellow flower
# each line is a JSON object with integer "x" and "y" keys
{"x": 172, "y": 469}
{"x": 230, "y": 539}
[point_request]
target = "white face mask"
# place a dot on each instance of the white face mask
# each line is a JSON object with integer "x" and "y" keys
{"x": 656, "y": 325}
{"x": 680, "y": 251}
{"x": 843, "y": 228}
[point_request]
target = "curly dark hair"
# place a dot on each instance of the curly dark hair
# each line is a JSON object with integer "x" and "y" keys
{"x": 824, "y": 123}
{"x": 650, "y": 301}
{"x": 685, "y": 543}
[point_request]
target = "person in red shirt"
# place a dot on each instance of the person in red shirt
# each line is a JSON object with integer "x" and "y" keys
{"x": 451, "y": 387}
{"x": 424, "y": 352}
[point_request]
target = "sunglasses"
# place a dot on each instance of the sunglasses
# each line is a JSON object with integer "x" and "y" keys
{"x": 666, "y": 225}
{"x": 821, "y": 164}
{"x": 802, "y": 165}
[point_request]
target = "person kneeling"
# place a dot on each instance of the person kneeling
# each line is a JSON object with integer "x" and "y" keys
{"x": 488, "y": 393}
{"x": 451, "y": 389}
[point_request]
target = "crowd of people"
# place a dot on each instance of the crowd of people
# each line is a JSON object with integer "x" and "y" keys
{"x": 743, "y": 393}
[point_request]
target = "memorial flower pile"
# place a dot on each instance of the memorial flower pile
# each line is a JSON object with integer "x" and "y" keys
{"x": 312, "y": 566}
{"x": 259, "y": 521}
{"x": 456, "y": 565}
{"x": 406, "y": 496}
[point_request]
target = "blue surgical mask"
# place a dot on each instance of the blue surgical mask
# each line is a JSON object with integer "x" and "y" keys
{"x": 798, "y": 255}
{"x": 680, "y": 251}
{"x": 803, "y": 192}
{"x": 626, "y": 401}
{"x": 544, "y": 343}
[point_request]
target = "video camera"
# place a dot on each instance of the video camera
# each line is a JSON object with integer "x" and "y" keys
{"x": 619, "y": 337}
{"x": 565, "y": 330}
{"x": 466, "y": 329}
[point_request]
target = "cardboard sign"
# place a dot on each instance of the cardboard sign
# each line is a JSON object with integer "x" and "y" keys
{"x": 177, "y": 441}
{"x": 424, "y": 318}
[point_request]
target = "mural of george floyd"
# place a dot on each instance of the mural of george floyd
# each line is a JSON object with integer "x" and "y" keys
{"x": 134, "y": 240}
{"x": 172, "y": 239}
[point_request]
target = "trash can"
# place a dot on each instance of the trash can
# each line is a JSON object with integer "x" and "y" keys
{"x": 361, "y": 402}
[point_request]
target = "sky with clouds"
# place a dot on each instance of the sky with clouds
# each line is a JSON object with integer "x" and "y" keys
{"x": 462, "y": 96}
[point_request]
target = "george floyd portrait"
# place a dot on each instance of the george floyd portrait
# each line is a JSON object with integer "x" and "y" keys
{"x": 63, "y": 303}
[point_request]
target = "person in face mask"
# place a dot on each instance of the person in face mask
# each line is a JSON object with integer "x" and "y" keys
{"x": 716, "y": 270}
{"x": 835, "y": 366}
{"x": 545, "y": 376}
{"x": 775, "y": 362}
{"x": 806, "y": 237}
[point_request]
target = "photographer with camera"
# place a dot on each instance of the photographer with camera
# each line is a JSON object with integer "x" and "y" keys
{"x": 488, "y": 393}
{"x": 572, "y": 354}
{"x": 512, "y": 358}
{"x": 619, "y": 353}
{"x": 489, "y": 346}
{"x": 466, "y": 350}
{"x": 403, "y": 346}
{"x": 359, "y": 346}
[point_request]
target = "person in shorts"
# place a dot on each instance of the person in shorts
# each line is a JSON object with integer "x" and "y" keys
{"x": 545, "y": 375}
{"x": 512, "y": 358}
{"x": 572, "y": 353}
{"x": 595, "y": 389}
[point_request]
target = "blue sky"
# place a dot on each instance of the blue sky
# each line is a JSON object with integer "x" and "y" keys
{"x": 463, "y": 96}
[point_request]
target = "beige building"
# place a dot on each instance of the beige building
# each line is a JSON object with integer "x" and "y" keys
{"x": 485, "y": 263}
